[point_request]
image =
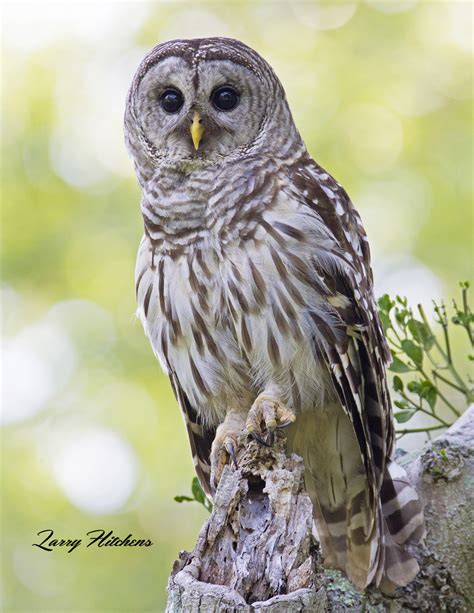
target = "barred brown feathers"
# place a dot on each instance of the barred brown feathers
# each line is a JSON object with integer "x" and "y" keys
{"x": 253, "y": 281}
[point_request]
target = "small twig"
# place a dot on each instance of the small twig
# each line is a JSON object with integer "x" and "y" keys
{"x": 436, "y": 375}
{"x": 419, "y": 407}
{"x": 435, "y": 340}
{"x": 414, "y": 430}
{"x": 434, "y": 416}
{"x": 442, "y": 396}
{"x": 443, "y": 320}
{"x": 449, "y": 365}
{"x": 399, "y": 345}
{"x": 464, "y": 301}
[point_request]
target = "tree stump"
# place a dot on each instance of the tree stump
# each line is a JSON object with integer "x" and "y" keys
{"x": 257, "y": 551}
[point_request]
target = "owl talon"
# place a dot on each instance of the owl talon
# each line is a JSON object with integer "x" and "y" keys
{"x": 272, "y": 415}
{"x": 224, "y": 446}
{"x": 221, "y": 452}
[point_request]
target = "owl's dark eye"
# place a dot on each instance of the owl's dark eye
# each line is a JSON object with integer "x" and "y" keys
{"x": 171, "y": 100}
{"x": 225, "y": 98}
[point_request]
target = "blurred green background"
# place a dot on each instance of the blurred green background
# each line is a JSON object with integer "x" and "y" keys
{"x": 92, "y": 436}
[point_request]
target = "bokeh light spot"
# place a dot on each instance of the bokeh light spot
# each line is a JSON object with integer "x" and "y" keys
{"x": 387, "y": 211}
{"x": 406, "y": 276}
{"x": 97, "y": 471}
{"x": 90, "y": 326}
{"x": 324, "y": 15}
{"x": 37, "y": 363}
{"x": 374, "y": 135}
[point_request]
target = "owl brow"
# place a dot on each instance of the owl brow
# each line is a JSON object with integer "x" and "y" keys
{"x": 241, "y": 62}
{"x": 211, "y": 52}
{"x": 192, "y": 54}
{"x": 152, "y": 60}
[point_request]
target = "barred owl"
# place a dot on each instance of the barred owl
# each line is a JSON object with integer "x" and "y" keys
{"x": 254, "y": 287}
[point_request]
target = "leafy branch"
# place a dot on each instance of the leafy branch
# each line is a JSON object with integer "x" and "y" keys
{"x": 426, "y": 363}
{"x": 198, "y": 495}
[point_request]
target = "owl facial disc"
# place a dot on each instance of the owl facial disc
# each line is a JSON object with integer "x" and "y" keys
{"x": 184, "y": 89}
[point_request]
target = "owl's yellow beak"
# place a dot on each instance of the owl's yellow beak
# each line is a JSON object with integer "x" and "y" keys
{"x": 196, "y": 130}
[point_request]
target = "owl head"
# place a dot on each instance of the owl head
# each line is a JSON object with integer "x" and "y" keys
{"x": 203, "y": 101}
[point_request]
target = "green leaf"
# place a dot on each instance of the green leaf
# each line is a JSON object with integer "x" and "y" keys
{"x": 398, "y": 366}
{"x": 386, "y": 303}
{"x": 463, "y": 319}
{"x": 397, "y": 384}
{"x": 403, "y": 416}
{"x": 431, "y": 397}
{"x": 400, "y": 316}
{"x": 385, "y": 319}
{"x": 413, "y": 387}
{"x": 183, "y": 499}
{"x": 401, "y": 404}
{"x": 199, "y": 495}
{"x": 429, "y": 392}
{"x": 197, "y": 491}
{"x": 421, "y": 333}
{"x": 413, "y": 351}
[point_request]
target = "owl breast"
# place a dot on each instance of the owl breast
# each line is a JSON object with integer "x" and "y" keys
{"x": 230, "y": 319}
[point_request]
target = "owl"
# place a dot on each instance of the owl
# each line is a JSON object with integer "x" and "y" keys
{"x": 254, "y": 287}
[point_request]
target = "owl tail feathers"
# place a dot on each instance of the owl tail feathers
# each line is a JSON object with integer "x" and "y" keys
{"x": 403, "y": 524}
{"x": 380, "y": 558}
{"x": 400, "y": 523}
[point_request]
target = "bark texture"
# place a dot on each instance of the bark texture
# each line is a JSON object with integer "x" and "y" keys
{"x": 256, "y": 552}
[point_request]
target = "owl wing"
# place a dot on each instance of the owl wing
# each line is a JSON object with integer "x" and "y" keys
{"x": 356, "y": 357}
{"x": 357, "y": 363}
{"x": 200, "y": 436}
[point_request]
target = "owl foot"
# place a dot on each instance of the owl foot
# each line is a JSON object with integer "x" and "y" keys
{"x": 272, "y": 414}
{"x": 224, "y": 445}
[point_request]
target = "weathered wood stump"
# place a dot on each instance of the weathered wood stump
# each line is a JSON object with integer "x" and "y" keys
{"x": 256, "y": 552}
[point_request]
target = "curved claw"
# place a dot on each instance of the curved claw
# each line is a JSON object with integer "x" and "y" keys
{"x": 285, "y": 424}
{"x": 230, "y": 448}
{"x": 259, "y": 439}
